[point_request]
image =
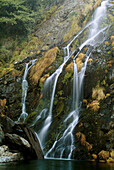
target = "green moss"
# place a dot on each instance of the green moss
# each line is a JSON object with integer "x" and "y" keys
{"x": 111, "y": 18}
{"x": 103, "y": 82}
{"x": 66, "y": 77}
{"x": 112, "y": 44}
{"x": 72, "y": 14}
{"x": 60, "y": 92}
{"x": 60, "y": 108}
{"x": 25, "y": 49}
{"x": 106, "y": 43}
{"x": 74, "y": 28}
{"x": 59, "y": 8}
{"x": 10, "y": 68}
{"x": 75, "y": 45}
{"x": 30, "y": 117}
{"x": 60, "y": 55}
{"x": 108, "y": 52}
{"x": 51, "y": 10}
{"x": 41, "y": 85}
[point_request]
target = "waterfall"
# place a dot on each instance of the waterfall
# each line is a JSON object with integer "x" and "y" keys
{"x": 65, "y": 142}
{"x": 43, "y": 132}
{"x": 24, "y": 114}
{"x": 75, "y": 87}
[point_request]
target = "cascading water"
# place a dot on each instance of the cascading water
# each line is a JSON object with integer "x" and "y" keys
{"x": 65, "y": 143}
{"x": 48, "y": 120}
{"x": 24, "y": 114}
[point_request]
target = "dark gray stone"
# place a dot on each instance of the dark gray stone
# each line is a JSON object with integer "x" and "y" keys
{"x": 1, "y": 135}
{"x": 7, "y": 124}
{"x": 17, "y": 142}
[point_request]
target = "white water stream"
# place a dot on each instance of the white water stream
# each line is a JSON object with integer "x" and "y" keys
{"x": 64, "y": 145}
{"x": 24, "y": 114}
{"x": 48, "y": 120}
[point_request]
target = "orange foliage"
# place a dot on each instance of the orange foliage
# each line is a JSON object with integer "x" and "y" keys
{"x": 42, "y": 64}
{"x": 2, "y": 102}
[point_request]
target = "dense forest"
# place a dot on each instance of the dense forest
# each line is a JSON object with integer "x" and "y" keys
{"x": 17, "y": 17}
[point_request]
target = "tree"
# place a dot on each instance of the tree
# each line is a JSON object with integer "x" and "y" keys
{"x": 33, "y": 4}
{"x": 14, "y": 14}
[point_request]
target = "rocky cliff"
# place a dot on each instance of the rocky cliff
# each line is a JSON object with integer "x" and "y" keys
{"x": 94, "y": 132}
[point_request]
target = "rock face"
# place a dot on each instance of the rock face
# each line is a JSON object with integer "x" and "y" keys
{"x": 83, "y": 147}
{"x": 58, "y": 29}
{"x": 34, "y": 142}
{"x": 17, "y": 142}
{"x": 10, "y": 85}
{"x": 96, "y": 120}
{"x": 20, "y": 142}
{"x": 67, "y": 20}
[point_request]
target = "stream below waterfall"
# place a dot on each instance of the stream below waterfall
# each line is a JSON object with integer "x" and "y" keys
{"x": 56, "y": 165}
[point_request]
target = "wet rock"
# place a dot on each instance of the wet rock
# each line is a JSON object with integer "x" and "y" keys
{"x": 96, "y": 116}
{"x": 3, "y": 149}
{"x": 110, "y": 160}
{"x": 34, "y": 142}
{"x": 11, "y": 157}
{"x": 1, "y": 135}
{"x": 103, "y": 155}
{"x": 20, "y": 138}
{"x": 94, "y": 156}
{"x": 17, "y": 142}
{"x": 7, "y": 156}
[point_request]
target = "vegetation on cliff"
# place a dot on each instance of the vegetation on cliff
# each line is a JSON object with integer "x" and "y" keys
{"x": 31, "y": 29}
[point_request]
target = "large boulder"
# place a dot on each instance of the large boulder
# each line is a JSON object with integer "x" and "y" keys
{"x": 17, "y": 142}
{"x": 7, "y": 156}
{"x": 18, "y": 137}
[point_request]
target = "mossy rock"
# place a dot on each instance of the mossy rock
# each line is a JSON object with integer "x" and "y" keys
{"x": 60, "y": 108}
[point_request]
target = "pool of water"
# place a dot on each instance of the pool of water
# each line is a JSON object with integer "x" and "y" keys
{"x": 56, "y": 165}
